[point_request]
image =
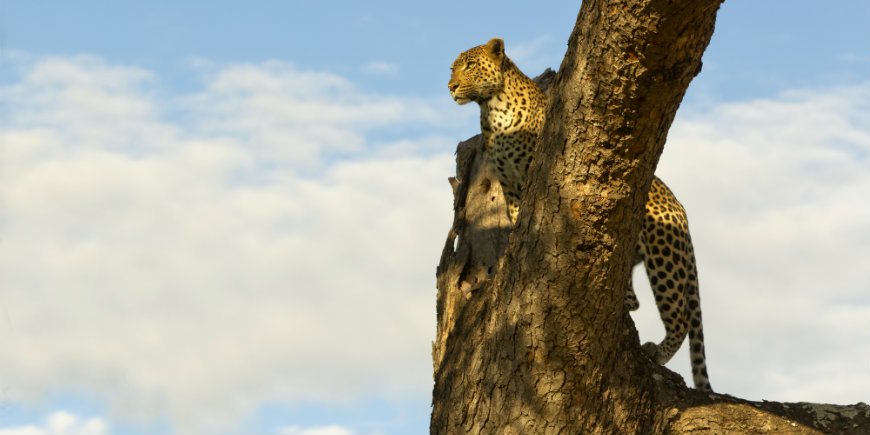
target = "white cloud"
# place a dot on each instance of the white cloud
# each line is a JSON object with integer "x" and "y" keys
{"x": 194, "y": 256}
{"x": 320, "y": 430}
{"x": 776, "y": 194}
{"x": 189, "y": 273}
{"x": 61, "y": 423}
{"x": 535, "y": 56}
{"x": 285, "y": 115}
{"x": 381, "y": 68}
{"x": 853, "y": 57}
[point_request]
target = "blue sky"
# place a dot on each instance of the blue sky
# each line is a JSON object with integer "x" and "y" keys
{"x": 760, "y": 48}
{"x": 224, "y": 217}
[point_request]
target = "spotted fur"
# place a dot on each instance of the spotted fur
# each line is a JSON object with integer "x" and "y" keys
{"x": 512, "y": 110}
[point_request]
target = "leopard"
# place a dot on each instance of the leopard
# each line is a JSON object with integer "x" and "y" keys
{"x": 512, "y": 113}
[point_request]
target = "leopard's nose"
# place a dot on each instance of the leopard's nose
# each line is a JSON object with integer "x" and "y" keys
{"x": 452, "y": 86}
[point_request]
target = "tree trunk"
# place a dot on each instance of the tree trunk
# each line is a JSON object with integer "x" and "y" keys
{"x": 533, "y": 336}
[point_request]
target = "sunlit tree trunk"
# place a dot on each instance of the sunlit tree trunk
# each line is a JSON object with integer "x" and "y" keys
{"x": 533, "y": 337}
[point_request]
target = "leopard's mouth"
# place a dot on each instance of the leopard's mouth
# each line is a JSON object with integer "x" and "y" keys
{"x": 461, "y": 99}
{"x": 465, "y": 96}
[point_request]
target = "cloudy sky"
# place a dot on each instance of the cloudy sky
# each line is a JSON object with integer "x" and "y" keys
{"x": 224, "y": 217}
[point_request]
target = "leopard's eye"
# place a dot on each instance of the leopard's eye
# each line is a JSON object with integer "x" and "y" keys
{"x": 470, "y": 64}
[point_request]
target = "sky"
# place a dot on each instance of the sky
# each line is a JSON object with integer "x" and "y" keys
{"x": 224, "y": 217}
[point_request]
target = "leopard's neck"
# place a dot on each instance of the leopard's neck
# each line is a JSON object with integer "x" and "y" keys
{"x": 519, "y": 106}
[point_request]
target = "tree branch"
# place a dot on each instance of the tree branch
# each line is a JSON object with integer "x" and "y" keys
{"x": 533, "y": 336}
{"x": 482, "y": 232}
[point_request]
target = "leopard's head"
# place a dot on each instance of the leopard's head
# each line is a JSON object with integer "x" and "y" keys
{"x": 478, "y": 73}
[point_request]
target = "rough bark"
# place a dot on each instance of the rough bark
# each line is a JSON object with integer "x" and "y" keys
{"x": 474, "y": 245}
{"x": 532, "y": 334}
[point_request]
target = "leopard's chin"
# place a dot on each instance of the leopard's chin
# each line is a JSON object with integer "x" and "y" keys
{"x": 460, "y": 100}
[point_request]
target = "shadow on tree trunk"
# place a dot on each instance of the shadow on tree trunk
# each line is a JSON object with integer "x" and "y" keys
{"x": 533, "y": 336}
{"x": 465, "y": 301}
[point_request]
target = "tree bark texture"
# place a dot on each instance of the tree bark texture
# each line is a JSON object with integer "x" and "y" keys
{"x": 474, "y": 245}
{"x": 532, "y": 334}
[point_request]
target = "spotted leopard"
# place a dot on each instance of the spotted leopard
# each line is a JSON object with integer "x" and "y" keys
{"x": 512, "y": 110}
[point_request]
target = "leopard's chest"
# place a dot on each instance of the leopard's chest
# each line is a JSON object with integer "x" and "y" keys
{"x": 508, "y": 129}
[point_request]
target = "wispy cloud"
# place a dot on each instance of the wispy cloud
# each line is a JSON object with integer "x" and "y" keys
{"x": 854, "y": 57}
{"x": 283, "y": 114}
{"x": 775, "y": 193}
{"x": 381, "y": 68}
{"x": 197, "y": 255}
{"x": 535, "y": 56}
{"x": 61, "y": 423}
{"x": 186, "y": 268}
{"x": 320, "y": 430}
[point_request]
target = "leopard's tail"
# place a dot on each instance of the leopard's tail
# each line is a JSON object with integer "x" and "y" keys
{"x": 696, "y": 327}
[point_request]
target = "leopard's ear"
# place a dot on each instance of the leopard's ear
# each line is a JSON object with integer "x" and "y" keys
{"x": 496, "y": 47}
